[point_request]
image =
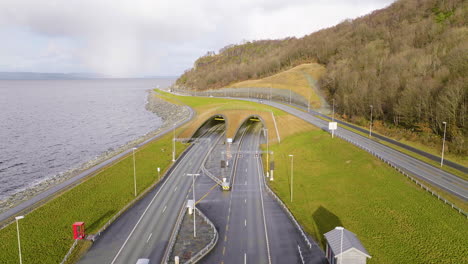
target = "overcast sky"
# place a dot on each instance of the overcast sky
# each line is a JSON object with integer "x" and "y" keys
{"x": 151, "y": 37}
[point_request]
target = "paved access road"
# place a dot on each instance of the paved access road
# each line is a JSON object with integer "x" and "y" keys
{"x": 440, "y": 178}
{"x": 144, "y": 230}
{"x": 252, "y": 227}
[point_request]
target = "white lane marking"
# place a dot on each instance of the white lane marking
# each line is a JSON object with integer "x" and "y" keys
{"x": 164, "y": 208}
{"x": 245, "y": 222}
{"x": 175, "y": 189}
{"x": 141, "y": 217}
{"x": 245, "y": 169}
{"x": 245, "y": 201}
{"x": 245, "y": 182}
{"x": 149, "y": 237}
{"x": 245, "y": 258}
{"x": 259, "y": 172}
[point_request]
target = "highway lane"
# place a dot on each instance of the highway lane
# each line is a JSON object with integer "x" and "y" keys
{"x": 126, "y": 240}
{"x": 440, "y": 178}
{"x": 252, "y": 226}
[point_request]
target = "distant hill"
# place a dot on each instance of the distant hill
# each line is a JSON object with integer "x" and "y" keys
{"x": 409, "y": 61}
{"x": 47, "y": 76}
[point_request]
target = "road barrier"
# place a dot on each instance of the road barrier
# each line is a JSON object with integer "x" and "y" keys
{"x": 200, "y": 254}
{"x": 69, "y": 251}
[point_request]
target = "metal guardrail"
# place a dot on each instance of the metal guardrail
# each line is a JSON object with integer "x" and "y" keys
{"x": 407, "y": 174}
{"x": 174, "y": 233}
{"x": 69, "y": 251}
{"x": 202, "y": 252}
{"x": 210, "y": 245}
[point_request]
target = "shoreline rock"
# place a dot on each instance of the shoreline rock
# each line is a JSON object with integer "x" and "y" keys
{"x": 168, "y": 112}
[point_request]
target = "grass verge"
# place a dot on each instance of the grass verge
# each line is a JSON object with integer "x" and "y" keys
{"x": 338, "y": 184}
{"x": 46, "y": 233}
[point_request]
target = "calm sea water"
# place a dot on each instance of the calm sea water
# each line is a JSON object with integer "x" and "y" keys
{"x": 48, "y": 127}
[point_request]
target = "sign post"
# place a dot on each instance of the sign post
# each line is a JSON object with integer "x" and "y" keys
{"x": 332, "y": 126}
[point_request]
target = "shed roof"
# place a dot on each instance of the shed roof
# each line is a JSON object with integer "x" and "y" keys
{"x": 349, "y": 241}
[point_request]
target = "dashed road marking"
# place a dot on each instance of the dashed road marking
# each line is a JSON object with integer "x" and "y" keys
{"x": 245, "y": 222}
{"x": 175, "y": 189}
{"x": 149, "y": 237}
{"x": 165, "y": 207}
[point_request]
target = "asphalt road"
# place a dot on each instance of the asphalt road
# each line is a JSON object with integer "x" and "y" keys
{"x": 144, "y": 230}
{"x": 440, "y": 178}
{"x": 252, "y": 227}
{"x": 43, "y": 196}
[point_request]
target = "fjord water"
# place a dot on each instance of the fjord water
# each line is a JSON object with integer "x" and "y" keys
{"x": 48, "y": 127}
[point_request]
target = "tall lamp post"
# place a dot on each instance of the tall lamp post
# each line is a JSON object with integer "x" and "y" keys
{"x": 134, "y": 171}
{"x": 333, "y": 115}
{"x": 194, "y": 210}
{"x": 173, "y": 142}
{"x": 370, "y": 126}
{"x": 19, "y": 243}
{"x": 443, "y": 145}
{"x": 268, "y": 152}
{"x": 292, "y": 176}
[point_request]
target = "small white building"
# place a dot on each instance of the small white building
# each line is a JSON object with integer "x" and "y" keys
{"x": 343, "y": 247}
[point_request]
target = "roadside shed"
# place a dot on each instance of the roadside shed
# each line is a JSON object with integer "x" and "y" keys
{"x": 344, "y": 247}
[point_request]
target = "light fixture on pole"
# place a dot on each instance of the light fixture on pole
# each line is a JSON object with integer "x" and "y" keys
{"x": 370, "y": 126}
{"x": 443, "y": 145}
{"x": 19, "y": 243}
{"x": 194, "y": 202}
{"x": 134, "y": 171}
{"x": 159, "y": 175}
{"x": 292, "y": 176}
{"x": 173, "y": 142}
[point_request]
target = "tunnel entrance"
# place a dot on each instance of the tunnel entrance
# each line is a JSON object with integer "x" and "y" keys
{"x": 217, "y": 120}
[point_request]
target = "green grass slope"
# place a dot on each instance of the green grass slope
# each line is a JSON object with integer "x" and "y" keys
{"x": 338, "y": 184}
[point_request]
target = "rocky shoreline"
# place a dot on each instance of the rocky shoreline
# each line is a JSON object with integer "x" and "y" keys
{"x": 168, "y": 112}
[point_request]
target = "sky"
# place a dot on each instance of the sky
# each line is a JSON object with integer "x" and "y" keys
{"x": 137, "y": 38}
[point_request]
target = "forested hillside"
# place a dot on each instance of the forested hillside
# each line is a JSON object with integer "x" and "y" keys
{"x": 409, "y": 61}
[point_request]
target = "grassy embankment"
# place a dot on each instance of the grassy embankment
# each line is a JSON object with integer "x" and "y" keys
{"x": 338, "y": 184}
{"x": 300, "y": 79}
{"x": 46, "y": 233}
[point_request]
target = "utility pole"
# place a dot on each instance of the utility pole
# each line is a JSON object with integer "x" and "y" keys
{"x": 134, "y": 171}
{"x": 292, "y": 177}
{"x": 194, "y": 202}
{"x": 19, "y": 243}
{"x": 173, "y": 143}
{"x": 443, "y": 145}
{"x": 370, "y": 126}
{"x": 333, "y": 115}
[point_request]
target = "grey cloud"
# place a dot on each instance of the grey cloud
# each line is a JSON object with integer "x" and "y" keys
{"x": 144, "y": 37}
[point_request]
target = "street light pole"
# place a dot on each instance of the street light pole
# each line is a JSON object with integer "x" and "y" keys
{"x": 19, "y": 243}
{"x": 173, "y": 142}
{"x": 370, "y": 126}
{"x": 134, "y": 171}
{"x": 268, "y": 152}
{"x": 333, "y": 115}
{"x": 194, "y": 203}
{"x": 443, "y": 145}
{"x": 292, "y": 176}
